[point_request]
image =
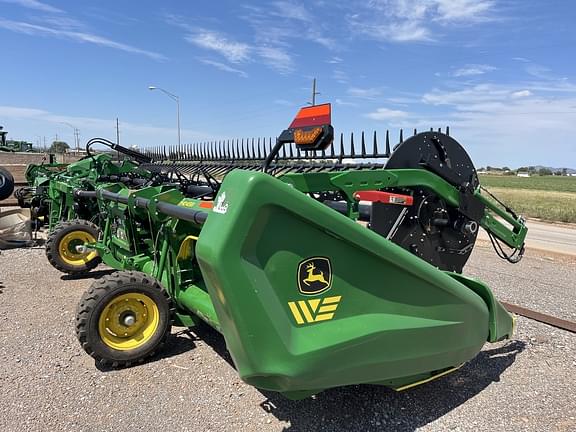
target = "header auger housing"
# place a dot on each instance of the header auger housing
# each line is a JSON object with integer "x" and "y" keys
{"x": 306, "y": 298}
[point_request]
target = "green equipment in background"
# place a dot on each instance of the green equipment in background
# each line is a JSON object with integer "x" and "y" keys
{"x": 7, "y": 145}
{"x": 74, "y": 219}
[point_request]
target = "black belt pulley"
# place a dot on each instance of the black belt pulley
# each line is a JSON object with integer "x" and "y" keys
{"x": 429, "y": 228}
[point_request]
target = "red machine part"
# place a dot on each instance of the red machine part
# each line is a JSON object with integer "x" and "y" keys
{"x": 384, "y": 197}
{"x": 316, "y": 115}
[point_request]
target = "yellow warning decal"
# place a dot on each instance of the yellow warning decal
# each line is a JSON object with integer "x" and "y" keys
{"x": 186, "y": 250}
{"x": 315, "y": 310}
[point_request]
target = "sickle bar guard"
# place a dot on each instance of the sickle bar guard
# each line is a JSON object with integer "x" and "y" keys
{"x": 306, "y": 298}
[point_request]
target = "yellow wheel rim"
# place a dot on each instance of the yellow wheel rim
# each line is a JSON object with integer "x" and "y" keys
{"x": 68, "y": 252}
{"x": 128, "y": 321}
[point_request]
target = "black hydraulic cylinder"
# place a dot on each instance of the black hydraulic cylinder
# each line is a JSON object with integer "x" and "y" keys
{"x": 195, "y": 216}
{"x": 114, "y": 197}
{"x": 84, "y": 193}
{"x": 139, "y": 181}
{"x": 136, "y": 155}
{"x": 195, "y": 190}
{"x": 184, "y": 213}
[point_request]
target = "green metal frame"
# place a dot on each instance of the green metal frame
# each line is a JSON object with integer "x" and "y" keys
{"x": 83, "y": 175}
{"x": 349, "y": 182}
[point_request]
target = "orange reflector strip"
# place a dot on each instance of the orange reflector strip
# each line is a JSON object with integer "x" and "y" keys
{"x": 384, "y": 197}
{"x": 316, "y": 115}
{"x": 206, "y": 204}
{"x": 316, "y": 110}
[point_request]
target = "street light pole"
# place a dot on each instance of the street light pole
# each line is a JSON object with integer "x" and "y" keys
{"x": 178, "y": 118}
{"x": 175, "y": 98}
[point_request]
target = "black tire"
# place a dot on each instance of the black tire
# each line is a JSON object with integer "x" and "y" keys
{"x": 6, "y": 184}
{"x": 24, "y": 196}
{"x": 66, "y": 259}
{"x": 104, "y": 299}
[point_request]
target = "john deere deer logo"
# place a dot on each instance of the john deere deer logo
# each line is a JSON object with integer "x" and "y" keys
{"x": 314, "y": 275}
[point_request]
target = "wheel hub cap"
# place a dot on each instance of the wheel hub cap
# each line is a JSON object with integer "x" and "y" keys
{"x": 68, "y": 248}
{"x": 128, "y": 321}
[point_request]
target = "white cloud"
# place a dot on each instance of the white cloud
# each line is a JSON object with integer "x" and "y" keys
{"x": 473, "y": 95}
{"x": 407, "y": 9}
{"x": 521, "y": 94}
{"x": 340, "y": 76}
{"x": 278, "y": 24}
{"x": 473, "y": 69}
{"x": 282, "y": 21}
{"x": 234, "y": 52}
{"x": 554, "y": 86}
{"x": 364, "y": 93}
{"x": 276, "y": 58}
{"x": 38, "y": 30}
{"x": 502, "y": 123}
{"x": 463, "y": 10}
{"x": 403, "y": 100}
{"x": 539, "y": 71}
{"x": 344, "y": 103}
{"x": 19, "y": 112}
{"x": 224, "y": 67}
{"x": 408, "y": 31}
{"x": 335, "y": 60}
{"x": 400, "y": 31}
{"x": 414, "y": 20}
{"x": 387, "y": 114}
{"x": 61, "y": 22}
{"x": 142, "y": 134}
{"x": 274, "y": 27}
{"x": 529, "y": 131}
{"x": 34, "y": 4}
{"x": 316, "y": 36}
{"x": 291, "y": 10}
{"x": 480, "y": 93}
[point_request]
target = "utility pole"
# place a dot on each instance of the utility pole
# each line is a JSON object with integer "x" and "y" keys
{"x": 77, "y": 137}
{"x": 314, "y": 92}
{"x": 117, "y": 131}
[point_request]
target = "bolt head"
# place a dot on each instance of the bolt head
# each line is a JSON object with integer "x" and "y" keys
{"x": 129, "y": 320}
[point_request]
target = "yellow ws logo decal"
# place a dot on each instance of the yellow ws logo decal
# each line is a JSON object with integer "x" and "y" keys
{"x": 314, "y": 275}
{"x": 315, "y": 310}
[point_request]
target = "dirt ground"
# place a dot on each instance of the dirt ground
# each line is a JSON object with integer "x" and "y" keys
{"x": 49, "y": 384}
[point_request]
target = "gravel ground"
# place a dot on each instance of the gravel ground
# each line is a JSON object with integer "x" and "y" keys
{"x": 543, "y": 281}
{"x": 49, "y": 384}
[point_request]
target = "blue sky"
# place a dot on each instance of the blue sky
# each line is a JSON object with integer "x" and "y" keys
{"x": 501, "y": 74}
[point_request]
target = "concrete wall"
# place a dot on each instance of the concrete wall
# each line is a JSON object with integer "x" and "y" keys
{"x": 16, "y": 163}
{"x": 7, "y": 158}
{"x": 20, "y": 158}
